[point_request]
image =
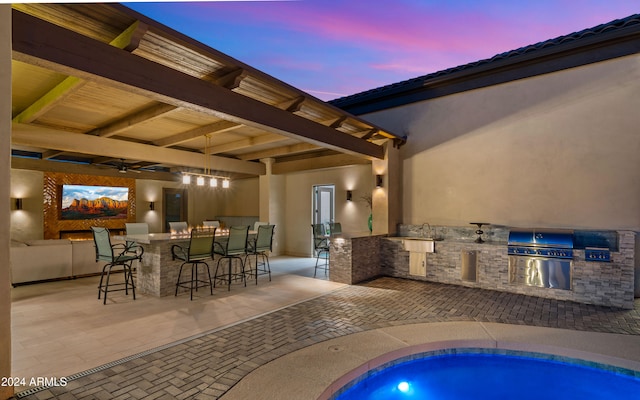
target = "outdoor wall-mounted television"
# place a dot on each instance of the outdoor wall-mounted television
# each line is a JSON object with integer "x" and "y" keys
{"x": 94, "y": 202}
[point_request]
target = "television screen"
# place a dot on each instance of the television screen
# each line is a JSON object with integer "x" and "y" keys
{"x": 93, "y": 202}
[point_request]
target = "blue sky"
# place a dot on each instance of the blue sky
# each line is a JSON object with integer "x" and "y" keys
{"x": 335, "y": 48}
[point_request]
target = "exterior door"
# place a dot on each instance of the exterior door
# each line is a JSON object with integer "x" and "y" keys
{"x": 175, "y": 206}
{"x": 323, "y": 204}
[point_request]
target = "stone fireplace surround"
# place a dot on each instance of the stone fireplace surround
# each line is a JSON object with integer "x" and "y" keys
{"x": 54, "y": 226}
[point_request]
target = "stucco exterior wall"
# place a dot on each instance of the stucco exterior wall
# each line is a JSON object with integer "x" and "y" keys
{"x": 27, "y": 223}
{"x": 352, "y": 215}
{"x": 558, "y": 150}
{"x": 240, "y": 199}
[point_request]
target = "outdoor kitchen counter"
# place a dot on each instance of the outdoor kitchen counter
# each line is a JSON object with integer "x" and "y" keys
{"x": 355, "y": 257}
{"x": 359, "y": 256}
{"x": 601, "y": 283}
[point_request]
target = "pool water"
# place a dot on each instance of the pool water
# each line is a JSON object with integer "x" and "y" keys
{"x": 493, "y": 376}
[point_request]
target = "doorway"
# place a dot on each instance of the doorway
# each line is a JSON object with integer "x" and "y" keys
{"x": 175, "y": 206}
{"x": 323, "y": 204}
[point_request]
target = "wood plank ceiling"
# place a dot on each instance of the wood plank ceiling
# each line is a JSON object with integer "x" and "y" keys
{"x": 101, "y": 85}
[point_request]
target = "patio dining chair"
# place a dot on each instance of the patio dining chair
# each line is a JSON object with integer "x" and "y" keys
{"x": 115, "y": 255}
{"x": 199, "y": 250}
{"x": 232, "y": 249}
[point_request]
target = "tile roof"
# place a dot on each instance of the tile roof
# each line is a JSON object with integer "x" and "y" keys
{"x": 558, "y": 43}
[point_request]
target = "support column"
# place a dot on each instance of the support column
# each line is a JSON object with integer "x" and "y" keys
{"x": 272, "y": 201}
{"x": 387, "y": 199}
{"x": 5, "y": 176}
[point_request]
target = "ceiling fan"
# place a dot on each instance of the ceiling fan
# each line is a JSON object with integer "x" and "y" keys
{"x": 122, "y": 167}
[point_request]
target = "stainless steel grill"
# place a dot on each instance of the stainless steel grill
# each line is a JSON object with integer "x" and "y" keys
{"x": 541, "y": 258}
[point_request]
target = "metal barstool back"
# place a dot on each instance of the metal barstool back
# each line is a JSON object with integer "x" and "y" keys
{"x": 200, "y": 250}
{"x": 234, "y": 248}
{"x": 113, "y": 255}
{"x": 260, "y": 248}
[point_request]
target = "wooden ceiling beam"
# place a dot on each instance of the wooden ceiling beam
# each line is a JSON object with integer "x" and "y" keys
{"x": 338, "y": 122}
{"x": 34, "y": 136}
{"x": 295, "y": 105}
{"x": 50, "y": 99}
{"x": 128, "y": 40}
{"x": 128, "y": 122}
{"x": 279, "y": 151}
{"x": 51, "y": 154}
{"x": 248, "y": 142}
{"x": 332, "y": 161}
{"x": 233, "y": 79}
{"x": 74, "y": 168}
{"x": 103, "y": 160}
{"x": 44, "y": 44}
{"x": 210, "y": 129}
{"x": 369, "y": 133}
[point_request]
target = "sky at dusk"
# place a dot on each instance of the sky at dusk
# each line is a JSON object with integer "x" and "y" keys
{"x": 335, "y": 48}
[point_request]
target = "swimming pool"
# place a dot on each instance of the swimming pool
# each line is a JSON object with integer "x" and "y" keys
{"x": 492, "y": 374}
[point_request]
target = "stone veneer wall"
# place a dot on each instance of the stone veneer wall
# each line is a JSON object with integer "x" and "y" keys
{"x": 158, "y": 273}
{"x": 356, "y": 259}
{"x": 600, "y": 283}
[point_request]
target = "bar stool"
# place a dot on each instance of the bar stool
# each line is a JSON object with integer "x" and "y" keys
{"x": 234, "y": 248}
{"x": 105, "y": 251}
{"x": 199, "y": 250}
{"x": 320, "y": 246}
{"x": 259, "y": 248}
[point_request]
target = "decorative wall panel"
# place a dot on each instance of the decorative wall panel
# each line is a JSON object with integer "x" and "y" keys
{"x": 52, "y": 184}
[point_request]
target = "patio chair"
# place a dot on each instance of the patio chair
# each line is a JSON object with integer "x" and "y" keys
{"x": 233, "y": 248}
{"x": 259, "y": 248}
{"x": 115, "y": 255}
{"x": 320, "y": 246}
{"x": 199, "y": 250}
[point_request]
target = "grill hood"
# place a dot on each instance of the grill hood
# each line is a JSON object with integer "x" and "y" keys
{"x": 541, "y": 238}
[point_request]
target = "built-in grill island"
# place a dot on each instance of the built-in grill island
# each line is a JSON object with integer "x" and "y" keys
{"x": 540, "y": 258}
{"x": 582, "y": 265}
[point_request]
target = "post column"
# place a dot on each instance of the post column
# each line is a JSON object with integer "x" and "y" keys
{"x": 272, "y": 203}
{"x": 387, "y": 198}
{"x": 5, "y": 176}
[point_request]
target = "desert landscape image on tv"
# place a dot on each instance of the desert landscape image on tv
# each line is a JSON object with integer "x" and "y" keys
{"x": 94, "y": 202}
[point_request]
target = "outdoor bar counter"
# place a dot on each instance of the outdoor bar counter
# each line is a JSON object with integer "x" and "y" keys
{"x": 158, "y": 273}
{"x": 354, "y": 257}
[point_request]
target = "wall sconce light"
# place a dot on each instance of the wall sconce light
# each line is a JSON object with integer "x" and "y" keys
{"x": 152, "y": 205}
{"x": 349, "y": 195}
{"x": 18, "y": 204}
{"x": 378, "y": 181}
